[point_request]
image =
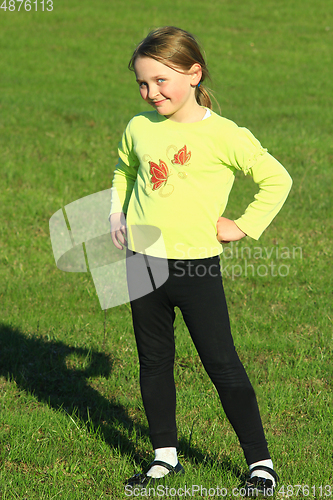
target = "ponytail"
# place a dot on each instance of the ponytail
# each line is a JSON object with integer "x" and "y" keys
{"x": 202, "y": 97}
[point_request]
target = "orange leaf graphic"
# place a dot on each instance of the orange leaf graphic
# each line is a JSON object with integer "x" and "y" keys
{"x": 182, "y": 157}
{"x": 159, "y": 174}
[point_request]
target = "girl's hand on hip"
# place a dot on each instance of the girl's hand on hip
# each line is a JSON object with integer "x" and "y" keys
{"x": 118, "y": 230}
{"x": 228, "y": 231}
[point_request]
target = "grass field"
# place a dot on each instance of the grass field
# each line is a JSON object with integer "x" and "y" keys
{"x": 72, "y": 424}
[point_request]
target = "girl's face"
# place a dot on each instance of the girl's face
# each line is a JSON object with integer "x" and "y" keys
{"x": 170, "y": 92}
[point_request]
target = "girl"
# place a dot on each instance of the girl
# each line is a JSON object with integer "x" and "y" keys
{"x": 175, "y": 171}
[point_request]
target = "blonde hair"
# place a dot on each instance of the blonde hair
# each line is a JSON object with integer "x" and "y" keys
{"x": 175, "y": 48}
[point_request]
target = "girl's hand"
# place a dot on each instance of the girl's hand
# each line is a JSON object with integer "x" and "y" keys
{"x": 228, "y": 231}
{"x": 118, "y": 230}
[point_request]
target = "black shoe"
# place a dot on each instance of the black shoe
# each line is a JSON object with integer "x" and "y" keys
{"x": 141, "y": 480}
{"x": 260, "y": 486}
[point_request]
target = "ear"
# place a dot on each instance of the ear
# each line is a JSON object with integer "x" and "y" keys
{"x": 196, "y": 74}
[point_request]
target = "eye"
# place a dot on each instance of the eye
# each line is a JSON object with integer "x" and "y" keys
{"x": 142, "y": 85}
{"x": 161, "y": 80}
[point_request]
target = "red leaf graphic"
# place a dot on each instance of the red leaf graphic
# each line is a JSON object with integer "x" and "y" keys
{"x": 182, "y": 157}
{"x": 159, "y": 174}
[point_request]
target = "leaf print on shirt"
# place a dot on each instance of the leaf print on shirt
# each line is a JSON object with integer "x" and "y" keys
{"x": 159, "y": 174}
{"x": 182, "y": 157}
{"x": 159, "y": 177}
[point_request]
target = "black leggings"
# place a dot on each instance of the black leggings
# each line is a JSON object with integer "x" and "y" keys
{"x": 195, "y": 286}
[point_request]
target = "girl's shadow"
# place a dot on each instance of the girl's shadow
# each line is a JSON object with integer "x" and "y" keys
{"x": 43, "y": 368}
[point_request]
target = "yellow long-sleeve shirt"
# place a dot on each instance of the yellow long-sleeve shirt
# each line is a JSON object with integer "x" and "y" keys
{"x": 177, "y": 177}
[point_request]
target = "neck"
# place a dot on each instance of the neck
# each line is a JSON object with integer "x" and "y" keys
{"x": 191, "y": 114}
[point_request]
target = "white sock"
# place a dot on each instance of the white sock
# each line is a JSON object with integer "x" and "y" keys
{"x": 168, "y": 455}
{"x": 262, "y": 473}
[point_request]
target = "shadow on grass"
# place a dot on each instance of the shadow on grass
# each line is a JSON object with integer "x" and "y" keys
{"x": 42, "y": 367}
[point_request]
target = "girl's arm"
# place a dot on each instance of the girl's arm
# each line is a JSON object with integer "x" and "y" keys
{"x": 118, "y": 229}
{"x": 244, "y": 152}
{"x": 274, "y": 186}
{"x": 123, "y": 182}
{"x": 227, "y": 230}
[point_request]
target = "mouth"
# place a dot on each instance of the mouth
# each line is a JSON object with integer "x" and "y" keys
{"x": 159, "y": 103}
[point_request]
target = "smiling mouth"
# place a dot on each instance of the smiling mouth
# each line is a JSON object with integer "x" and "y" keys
{"x": 157, "y": 103}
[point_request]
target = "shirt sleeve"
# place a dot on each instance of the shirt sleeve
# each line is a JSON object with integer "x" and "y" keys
{"x": 125, "y": 173}
{"x": 274, "y": 183}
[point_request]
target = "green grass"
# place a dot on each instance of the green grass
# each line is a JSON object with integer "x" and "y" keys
{"x": 72, "y": 424}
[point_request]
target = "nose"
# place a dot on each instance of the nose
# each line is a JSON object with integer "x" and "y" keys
{"x": 152, "y": 91}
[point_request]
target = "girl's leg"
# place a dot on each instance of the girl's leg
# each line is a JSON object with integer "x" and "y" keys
{"x": 200, "y": 297}
{"x": 153, "y": 316}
